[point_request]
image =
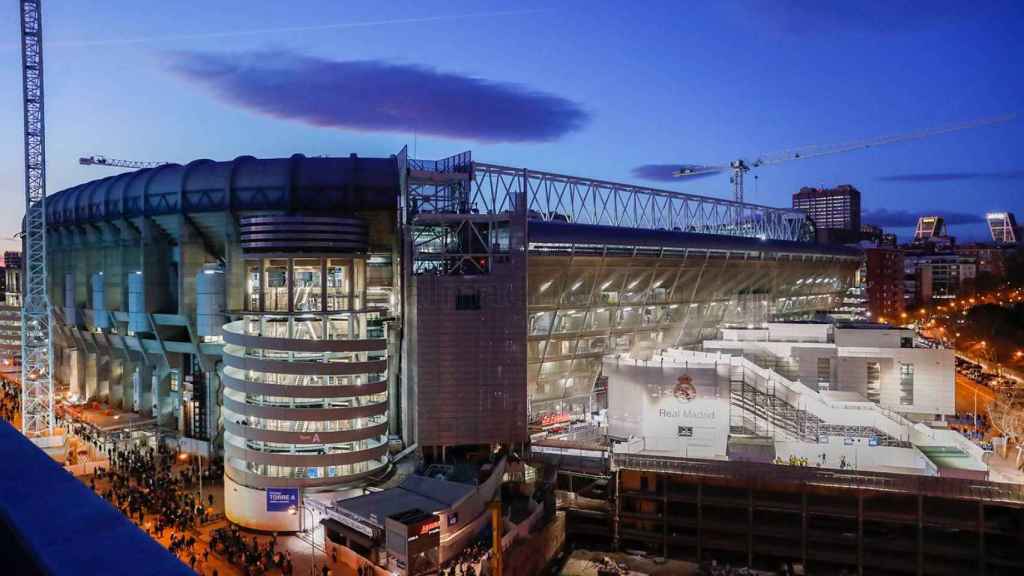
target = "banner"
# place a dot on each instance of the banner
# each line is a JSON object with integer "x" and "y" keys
{"x": 281, "y": 499}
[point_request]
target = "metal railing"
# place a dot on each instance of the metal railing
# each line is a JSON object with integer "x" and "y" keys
{"x": 759, "y": 473}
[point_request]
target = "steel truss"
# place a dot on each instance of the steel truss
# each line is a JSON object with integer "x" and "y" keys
{"x": 36, "y": 336}
{"x": 555, "y": 197}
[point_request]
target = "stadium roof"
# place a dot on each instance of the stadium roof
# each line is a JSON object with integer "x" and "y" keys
{"x": 297, "y": 183}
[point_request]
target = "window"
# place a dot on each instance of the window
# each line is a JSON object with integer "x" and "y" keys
{"x": 306, "y": 280}
{"x": 467, "y": 301}
{"x": 253, "y": 287}
{"x": 874, "y": 388}
{"x": 906, "y": 384}
{"x": 824, "y": 373}
{"x": 275, "y": 282}
{"x": 337, "y": 284}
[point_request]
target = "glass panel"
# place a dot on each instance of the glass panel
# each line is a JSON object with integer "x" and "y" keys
{"x": 906, "y": 384}
{"x": 359, "y": 284}
{"x": 275, "y": 285}
{"x": 337, "y": 284}
{"x": 874, "y": 391}
{"x": 824, "y": 373}
{"x": 306, "y": 274}
{"x": 253, "y": 287}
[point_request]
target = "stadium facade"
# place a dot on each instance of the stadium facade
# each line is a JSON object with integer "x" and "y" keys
{"x": 301, "y": 313}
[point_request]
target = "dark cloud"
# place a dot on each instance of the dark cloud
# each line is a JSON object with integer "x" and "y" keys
{"x": 663, "y": 172}
{"x": 953, "y": 176}
{"x": 903, "y": 219}
{"x": 371, "y": 95}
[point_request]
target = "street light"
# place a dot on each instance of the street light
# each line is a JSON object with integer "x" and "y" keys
{"x": 184, "y": 457}
{"x": 312, "y": 534}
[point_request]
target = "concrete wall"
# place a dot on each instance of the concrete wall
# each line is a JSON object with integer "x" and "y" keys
{"x": 248, "y": 507}
{"x": 795, "y": 332}
{"x": 874, "y": 338}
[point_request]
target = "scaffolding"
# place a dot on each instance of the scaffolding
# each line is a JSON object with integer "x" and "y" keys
{"x": 37, "y": 337}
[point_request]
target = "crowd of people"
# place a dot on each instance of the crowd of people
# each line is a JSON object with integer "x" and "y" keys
{"x": 141, "y": 480}
{"x": 249, "y": 553}
{"x": 821, "y": 461}
{"x": 10, "y": 400}
{"x": 470, "y": 559}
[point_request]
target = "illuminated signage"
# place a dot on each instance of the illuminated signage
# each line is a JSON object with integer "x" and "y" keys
{"x": 281, "y": 499}
{"x": 432, "y": 526}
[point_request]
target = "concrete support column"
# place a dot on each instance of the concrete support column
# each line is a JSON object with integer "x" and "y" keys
{"x": 155, "y": 262}
{"x": 91, "y": 363}
{"x": 140, "y": 399}
{"x": 618, "y": 510}
{"x": 234, "y": 273}
{"x": 120, "y": 371}
{"x": 860, "y": 534}
{"x": 750, "y": 526}
{"x": 192, "y": 256}
{"x": 75, "y": 358}
{"x": 803, "y": 529}
{"x": 104, "y": 368}
{"x": 920, "y": 535}
{"x": 161, "y": 402}
{"x": 700, "y": 522}
{"x": 982, "y": 565}
{"x": 213, "y": 403}
{"x": 394, "y": 333}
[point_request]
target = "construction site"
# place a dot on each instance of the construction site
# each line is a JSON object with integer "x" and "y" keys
{"x": 427, "y": 363}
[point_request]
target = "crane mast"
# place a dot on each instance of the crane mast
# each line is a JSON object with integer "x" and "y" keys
{"x": 36, "y": 333}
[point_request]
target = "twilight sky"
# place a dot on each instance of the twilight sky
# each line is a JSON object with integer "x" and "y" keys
{"x": 598, "y": 89}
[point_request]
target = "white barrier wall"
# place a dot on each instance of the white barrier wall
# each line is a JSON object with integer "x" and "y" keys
{"x": 248, "y": 507}
{"x": 652, "y": 404}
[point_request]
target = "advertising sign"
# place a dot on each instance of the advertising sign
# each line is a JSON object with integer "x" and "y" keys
{"x": 281, "y": 499}
{"x": 669, "y": 409}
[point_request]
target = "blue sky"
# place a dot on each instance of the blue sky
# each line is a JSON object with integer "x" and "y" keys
{"x": 585, "y": 88}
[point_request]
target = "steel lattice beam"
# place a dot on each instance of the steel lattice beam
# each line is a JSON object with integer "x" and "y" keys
{"x": 36, "y": 335}
{"x": 586, "y": 201}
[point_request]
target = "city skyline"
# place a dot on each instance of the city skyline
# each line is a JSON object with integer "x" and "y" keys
{"x": 574, "y": 97}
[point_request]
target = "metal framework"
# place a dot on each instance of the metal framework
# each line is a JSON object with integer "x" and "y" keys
{"x": 115, "y": 163}
{"x": 560, "y": 198}
{"x": 36, "y": 338}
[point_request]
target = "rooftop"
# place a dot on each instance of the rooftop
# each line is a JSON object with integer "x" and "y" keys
{"x": 50, "y": 523}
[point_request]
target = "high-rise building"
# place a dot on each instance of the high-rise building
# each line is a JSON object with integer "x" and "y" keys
{"x": 10, "y": 311}
{"x": 939, "y": 276}
{"x": 885, "y": 282}
{"x": 1003, "y": 227}
{"x": 831, "y": 208}
{"x": 12, "y": 279}
{"x": 930, "y": 229}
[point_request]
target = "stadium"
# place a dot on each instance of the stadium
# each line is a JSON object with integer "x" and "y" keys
{"x": 308, "y": 317}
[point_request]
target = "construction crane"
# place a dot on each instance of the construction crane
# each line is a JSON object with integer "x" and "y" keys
{"x": 114, "y": 163}
{"x": 36, "y": 325}
{"x": 741, "y": 166}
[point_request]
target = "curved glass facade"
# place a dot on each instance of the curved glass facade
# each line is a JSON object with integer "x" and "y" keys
{"x": 306, "y": 374}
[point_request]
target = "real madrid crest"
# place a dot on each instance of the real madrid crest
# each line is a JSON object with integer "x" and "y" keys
{"x": 684, "y": 390}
